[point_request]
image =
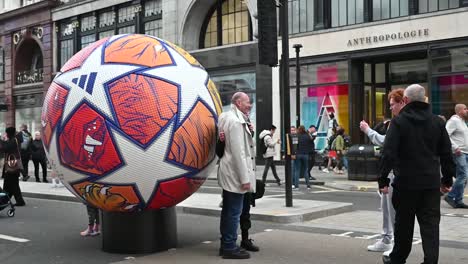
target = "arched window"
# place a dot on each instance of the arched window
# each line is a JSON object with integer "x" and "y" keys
{"x": 228, "y": 22}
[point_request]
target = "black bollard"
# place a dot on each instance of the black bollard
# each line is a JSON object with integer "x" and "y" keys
{"x": 139, "y": 232}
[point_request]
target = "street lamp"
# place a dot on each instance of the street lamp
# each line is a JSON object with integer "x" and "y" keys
{"x": 298, "y": 82}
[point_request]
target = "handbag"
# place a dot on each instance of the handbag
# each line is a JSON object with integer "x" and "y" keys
{"x": 13, "y": 164}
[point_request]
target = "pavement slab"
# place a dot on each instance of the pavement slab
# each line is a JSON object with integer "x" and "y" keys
{"x": 267, "y": 209}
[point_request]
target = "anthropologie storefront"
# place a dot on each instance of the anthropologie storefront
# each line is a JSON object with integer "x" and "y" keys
{"x": 352, "y": 78}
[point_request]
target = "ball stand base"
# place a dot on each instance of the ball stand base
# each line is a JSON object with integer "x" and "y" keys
{"x": 139, "y": 232}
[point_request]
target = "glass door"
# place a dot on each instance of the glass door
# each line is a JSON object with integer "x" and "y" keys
{"x": 375, "y": 92}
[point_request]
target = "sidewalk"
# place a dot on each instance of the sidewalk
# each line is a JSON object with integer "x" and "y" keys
{"x": 331, "y": 179}
{"x": 268, "y": 209}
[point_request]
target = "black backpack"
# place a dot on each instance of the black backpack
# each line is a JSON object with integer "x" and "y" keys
{"x": 347, "y": 141}
{"x": 262, "y": 147}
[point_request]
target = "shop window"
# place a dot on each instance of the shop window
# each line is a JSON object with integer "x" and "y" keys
{"x": 66, "y": 51}
{"x": 88, "y": 23}
{"x": 154, "y": 28}
{"x": 324, "y": 90}
{"x": 153, "y": 18}
{"x": 346, "y": 12}
{"x": 106, "y": 34}
{"x": 242, "y": 82}
{"x": 235, "y": 26}
{"x": 426, "y": 6}
{"x": 320, "y": 73}
{"x": 126, "y": 14}
{"x": 316, "y": 105}
{"x": 106, "y": 19}
{"x": 384, "y": 9}
{"x": 88, "y": 39}
{"x": 301, "y": 16}
{"x": 153, "y": 8}
{"x": 408, "y": 72}
{"x": 447, "y": 91}
{"x": 31, "y": 116}
{"x": 449, "y": 60}
{"x": 127, "y": 30}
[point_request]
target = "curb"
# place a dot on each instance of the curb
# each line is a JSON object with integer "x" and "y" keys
{"x": 348, "y": 187}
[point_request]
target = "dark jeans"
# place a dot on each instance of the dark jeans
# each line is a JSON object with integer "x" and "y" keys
{"x": 36, "y": 169}
{"x": 11, "y": 186}
{"x": 425, "y": 205}
{"x": 311, "y": 163}
{"x": 25, "y": 157}
{"x": 93, "y": 215}
{"x": 230, "y": 216}
{"x": 300, "y": 167}
{"x": 245, "y": 222}
{"x": 270, "y": 163}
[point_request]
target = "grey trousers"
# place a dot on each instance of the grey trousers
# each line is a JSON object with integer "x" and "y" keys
{"x": 388, "y": 213}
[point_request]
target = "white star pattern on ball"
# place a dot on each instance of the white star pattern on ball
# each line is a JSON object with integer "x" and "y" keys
{"x": 136, "y": 171}
{"x": 192, "y": 82}
{"x": 88, "y": 82}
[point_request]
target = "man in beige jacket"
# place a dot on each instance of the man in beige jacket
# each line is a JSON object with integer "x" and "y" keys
{"x": 236, "y": 173}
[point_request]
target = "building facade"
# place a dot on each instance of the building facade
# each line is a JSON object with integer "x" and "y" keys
{"x": 356, "y": 51}
{"x": 25, "y": 60}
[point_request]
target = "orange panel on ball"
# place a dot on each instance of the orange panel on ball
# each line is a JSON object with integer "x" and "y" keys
{"x": 143, "y": 105}
{"x": 111, "y": 198}
{"x": 138, "y": 50}
{"x": 194, "y": 140}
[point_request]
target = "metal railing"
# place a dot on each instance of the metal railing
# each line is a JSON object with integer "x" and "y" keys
{"x": 29, "y": 76}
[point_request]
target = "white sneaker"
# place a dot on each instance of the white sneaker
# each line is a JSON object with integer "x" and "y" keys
{"x": 387, "y": 253}
{"x": 326, "y": 170}
{"x": 380, "y": 246}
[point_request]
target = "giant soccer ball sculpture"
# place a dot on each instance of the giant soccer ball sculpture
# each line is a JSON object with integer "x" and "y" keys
{"x": 129, "y": 124}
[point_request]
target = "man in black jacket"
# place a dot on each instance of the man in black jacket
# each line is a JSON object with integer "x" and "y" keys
{"x": 416, "y": 145}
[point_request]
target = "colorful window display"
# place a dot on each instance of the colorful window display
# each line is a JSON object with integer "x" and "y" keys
{"x": 319, "y": 102}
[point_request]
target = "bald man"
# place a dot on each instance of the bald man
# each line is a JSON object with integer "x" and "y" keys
{"x": 236, "y": 173}
{"x": 415, "y": 143}
{"x": 458, "y": 133}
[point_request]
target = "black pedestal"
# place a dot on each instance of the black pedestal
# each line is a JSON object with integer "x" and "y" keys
{"x": 139, "y": 232}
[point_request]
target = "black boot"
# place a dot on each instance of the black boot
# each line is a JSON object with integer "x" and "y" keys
{"x": 45, "y": 180}
{"x": 236, "y": 254}
{"x": 248, "y": 245}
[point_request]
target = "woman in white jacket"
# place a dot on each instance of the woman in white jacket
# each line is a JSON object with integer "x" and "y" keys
{"x": 266, "y": 137}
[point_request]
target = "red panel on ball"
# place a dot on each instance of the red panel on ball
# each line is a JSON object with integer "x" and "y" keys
{"x": 143, "y": 105}
{"x": 173, "y": 192}
{"x": 52, "y": 111}
{"x": 86, "y": 145}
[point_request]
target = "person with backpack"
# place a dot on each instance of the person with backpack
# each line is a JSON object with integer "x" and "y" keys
{"x": 267, "y": 148}
{"x": 12, "y": 169}
{"x": 25, "y": 150}
{"x": 331, "y": 152}
{"x": 339, "y": 146}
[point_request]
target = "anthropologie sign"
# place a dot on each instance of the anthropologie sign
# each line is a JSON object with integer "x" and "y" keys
{"x": 381, "y": 38}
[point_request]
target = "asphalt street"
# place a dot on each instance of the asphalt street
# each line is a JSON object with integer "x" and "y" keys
{"x": 47, "y": 231}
